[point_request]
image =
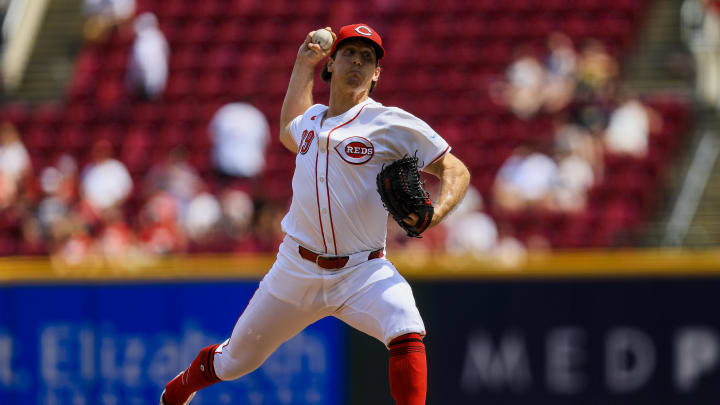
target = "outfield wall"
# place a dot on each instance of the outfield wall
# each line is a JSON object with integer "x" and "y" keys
{"x": 633, "y": 327}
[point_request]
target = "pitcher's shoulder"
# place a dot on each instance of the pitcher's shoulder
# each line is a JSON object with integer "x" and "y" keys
{"x": 314, "y": 111}
{"x": 396, "y": 116}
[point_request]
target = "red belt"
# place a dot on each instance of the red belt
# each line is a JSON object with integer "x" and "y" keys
{"x": 332, "y": 262}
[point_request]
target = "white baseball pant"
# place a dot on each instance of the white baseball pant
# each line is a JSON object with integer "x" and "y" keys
{"x": 371, "y": 297}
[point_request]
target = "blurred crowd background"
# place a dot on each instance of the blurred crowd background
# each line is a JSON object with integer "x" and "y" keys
{"x": 160, "y": 137}
{"x": 139, "y": 152}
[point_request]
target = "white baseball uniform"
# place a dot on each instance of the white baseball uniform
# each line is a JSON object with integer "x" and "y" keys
{"x": 336, "y": 211}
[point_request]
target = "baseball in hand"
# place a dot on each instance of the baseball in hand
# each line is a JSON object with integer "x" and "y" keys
{"x": 323, "y": 38}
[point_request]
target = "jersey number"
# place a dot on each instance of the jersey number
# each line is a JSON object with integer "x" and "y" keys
{"x": 306, "y": 141}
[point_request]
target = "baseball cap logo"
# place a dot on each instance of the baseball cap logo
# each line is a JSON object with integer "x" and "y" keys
{"x": 363, "y": 30}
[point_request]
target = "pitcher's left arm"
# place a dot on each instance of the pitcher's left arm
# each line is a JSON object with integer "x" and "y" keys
{"x": 454, "y": 180}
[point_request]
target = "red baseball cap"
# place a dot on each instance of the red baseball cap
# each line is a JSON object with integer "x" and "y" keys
{"x": 362, "y": 31}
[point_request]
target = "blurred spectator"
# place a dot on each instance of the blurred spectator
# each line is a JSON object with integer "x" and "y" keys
{"x": 510, "y": 252}
{"x": 104, "y": 15}
{"x": 50, "y": 210}
{"x": 238, "y": 211}
{"x": 148, "y": 64}
{"x": 593, "y": 117}
{"x": 32, "y": 242}
{"x": 114, "y": 10}
{"x": 469, "y": 230}
{"x": 240, "y": 135}
{"x": 116, "y": 240}
{"x": 692, "y": 18}
{"x": 175, "y": 176}
{"x": 268, "y": 232}
{"x": 574, "y": 178}
{"x": 523, "y": 90}
{"x": 630, "y": 126}
{"x": 65, "y": 229}
{"x": 579, "y": 141}
{"x": 14, "y": 164}
{"x": 59, "y": 186}
{"x": 560, "y": 67}
{"x": 525, "y": 180}
{"x": 203, "y": 216}
{"x": 579, "y": 155}
{"x": 158, "y": 229}
{"x": 106, "y": 182}
{"x": 71, "y": 242}
{"x": 701, "y": 31}
{"x": 67, "y": 187}
{"x": 597, "y": 71}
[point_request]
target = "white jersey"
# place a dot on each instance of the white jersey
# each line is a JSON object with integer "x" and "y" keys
{"x": 336, "y": 208}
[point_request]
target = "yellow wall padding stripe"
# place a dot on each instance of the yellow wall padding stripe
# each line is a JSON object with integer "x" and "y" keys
{"x": 572, "y": 264}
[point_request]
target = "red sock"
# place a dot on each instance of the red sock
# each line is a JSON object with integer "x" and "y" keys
{"x": 408, "y": 370}
{"x": 199, "y": 375}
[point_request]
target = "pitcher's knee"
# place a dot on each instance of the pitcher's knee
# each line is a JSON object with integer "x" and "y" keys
{"x": 229, "y": 367}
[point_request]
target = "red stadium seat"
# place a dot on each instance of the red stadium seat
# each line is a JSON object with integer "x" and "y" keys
{"x": 232, "y": 31}
{"x": 175, "y": 9}
{"x": 135, "y": 149}
{"x": 209, "y": 9}
{"x": 72, "y": 138}
{"x": 8, "y": 246}
{"x": 39, "y": 138}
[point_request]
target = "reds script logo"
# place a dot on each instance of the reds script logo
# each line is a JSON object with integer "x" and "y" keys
{"x": 306, "y": 141}
{"x": 356, "y": 150}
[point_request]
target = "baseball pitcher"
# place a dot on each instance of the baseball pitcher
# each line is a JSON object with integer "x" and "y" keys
{"x": 356, "y": 160}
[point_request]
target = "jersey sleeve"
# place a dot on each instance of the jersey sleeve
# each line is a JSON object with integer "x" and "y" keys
{"x": 296, "y": 125}
{"x": 415, "y": 137}
{"x": 295, "y": 131}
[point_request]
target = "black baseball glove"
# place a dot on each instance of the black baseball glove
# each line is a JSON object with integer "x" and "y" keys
{"x": 402, "y": 194}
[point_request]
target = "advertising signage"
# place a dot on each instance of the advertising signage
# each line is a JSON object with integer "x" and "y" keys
{"x": 619, "y": 341}
{"x": 120, "y": 344}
